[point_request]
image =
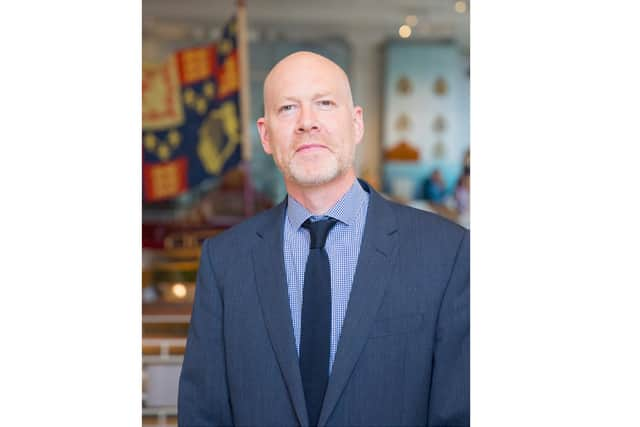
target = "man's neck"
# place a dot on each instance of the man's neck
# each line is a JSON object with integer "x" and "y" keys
{"x": 319, "y": 199}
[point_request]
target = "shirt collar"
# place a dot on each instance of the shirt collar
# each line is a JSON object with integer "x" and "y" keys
{"x": 345, "y": 210}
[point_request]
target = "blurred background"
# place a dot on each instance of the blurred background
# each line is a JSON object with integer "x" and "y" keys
{"x": 204, "y": 170}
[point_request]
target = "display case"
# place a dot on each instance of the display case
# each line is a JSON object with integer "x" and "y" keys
{"x": 168, "y": 287}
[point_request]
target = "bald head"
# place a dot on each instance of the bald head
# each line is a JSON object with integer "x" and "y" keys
{"x": 309, "y": 66}
{"x": 310, "y": 125}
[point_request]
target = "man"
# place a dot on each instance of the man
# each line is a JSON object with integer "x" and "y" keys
{"x": 336, "y": 307}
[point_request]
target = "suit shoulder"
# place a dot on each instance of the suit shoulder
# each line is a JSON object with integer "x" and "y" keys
{"x": 420, "y": 221}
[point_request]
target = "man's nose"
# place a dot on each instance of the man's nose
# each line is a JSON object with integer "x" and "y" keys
{"x": 307, "y": 120}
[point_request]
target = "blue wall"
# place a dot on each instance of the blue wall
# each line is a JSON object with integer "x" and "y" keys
{"x": 423, "y": 63}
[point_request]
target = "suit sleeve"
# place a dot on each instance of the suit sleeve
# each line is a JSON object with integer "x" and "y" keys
{"x": 449, "y": 397}
{"x": 203, "y": 397}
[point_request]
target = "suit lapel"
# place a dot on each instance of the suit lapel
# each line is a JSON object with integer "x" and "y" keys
{"x": 373, "y": 270}
{"x": 271, "y": 283}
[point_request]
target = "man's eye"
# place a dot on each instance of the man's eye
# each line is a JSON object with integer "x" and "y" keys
{"x": 326, "y": 103}
{"x": 286, "y": 108}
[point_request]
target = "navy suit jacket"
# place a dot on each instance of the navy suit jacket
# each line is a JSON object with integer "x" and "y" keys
{"x": 403, "y": 354}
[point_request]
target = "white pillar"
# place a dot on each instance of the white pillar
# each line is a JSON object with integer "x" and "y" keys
{"x": 366, "y": 75}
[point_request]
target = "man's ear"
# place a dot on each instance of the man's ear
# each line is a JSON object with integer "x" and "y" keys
{"x": 264, "y": 135}
{"x": 358, "y": 123}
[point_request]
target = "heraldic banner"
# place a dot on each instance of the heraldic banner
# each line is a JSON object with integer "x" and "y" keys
{"x": 190, "y": 117}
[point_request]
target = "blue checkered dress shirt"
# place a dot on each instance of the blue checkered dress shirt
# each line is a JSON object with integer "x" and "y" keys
{"x": 342, "y": 246}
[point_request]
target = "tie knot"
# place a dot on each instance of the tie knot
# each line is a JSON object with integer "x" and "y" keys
{"x": 319, "y": 230}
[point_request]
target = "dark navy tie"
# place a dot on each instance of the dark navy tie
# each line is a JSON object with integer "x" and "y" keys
{"x": 316, "y": 319}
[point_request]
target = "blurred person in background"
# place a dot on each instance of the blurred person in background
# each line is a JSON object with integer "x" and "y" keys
{"x": 463, "y": 186}
{"x": 336, "y": 307}
{"x": 466, "y": 163}
{"x": 434, "y": 189}
{"x": 462, "y": 193}
{"x": 462, "y": 196}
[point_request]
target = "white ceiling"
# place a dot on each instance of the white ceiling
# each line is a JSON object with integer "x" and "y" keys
{"x": 188, "y": 20}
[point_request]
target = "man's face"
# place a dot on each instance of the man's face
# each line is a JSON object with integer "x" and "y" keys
{"x": 310, "y": 126}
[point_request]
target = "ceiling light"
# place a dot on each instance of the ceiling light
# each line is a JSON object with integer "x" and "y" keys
{"x": 461, "y": 6}
{"x": 404, "y": 31}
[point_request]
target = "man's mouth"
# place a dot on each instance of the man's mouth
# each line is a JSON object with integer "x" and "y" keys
{"x": 310, "y": 147}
